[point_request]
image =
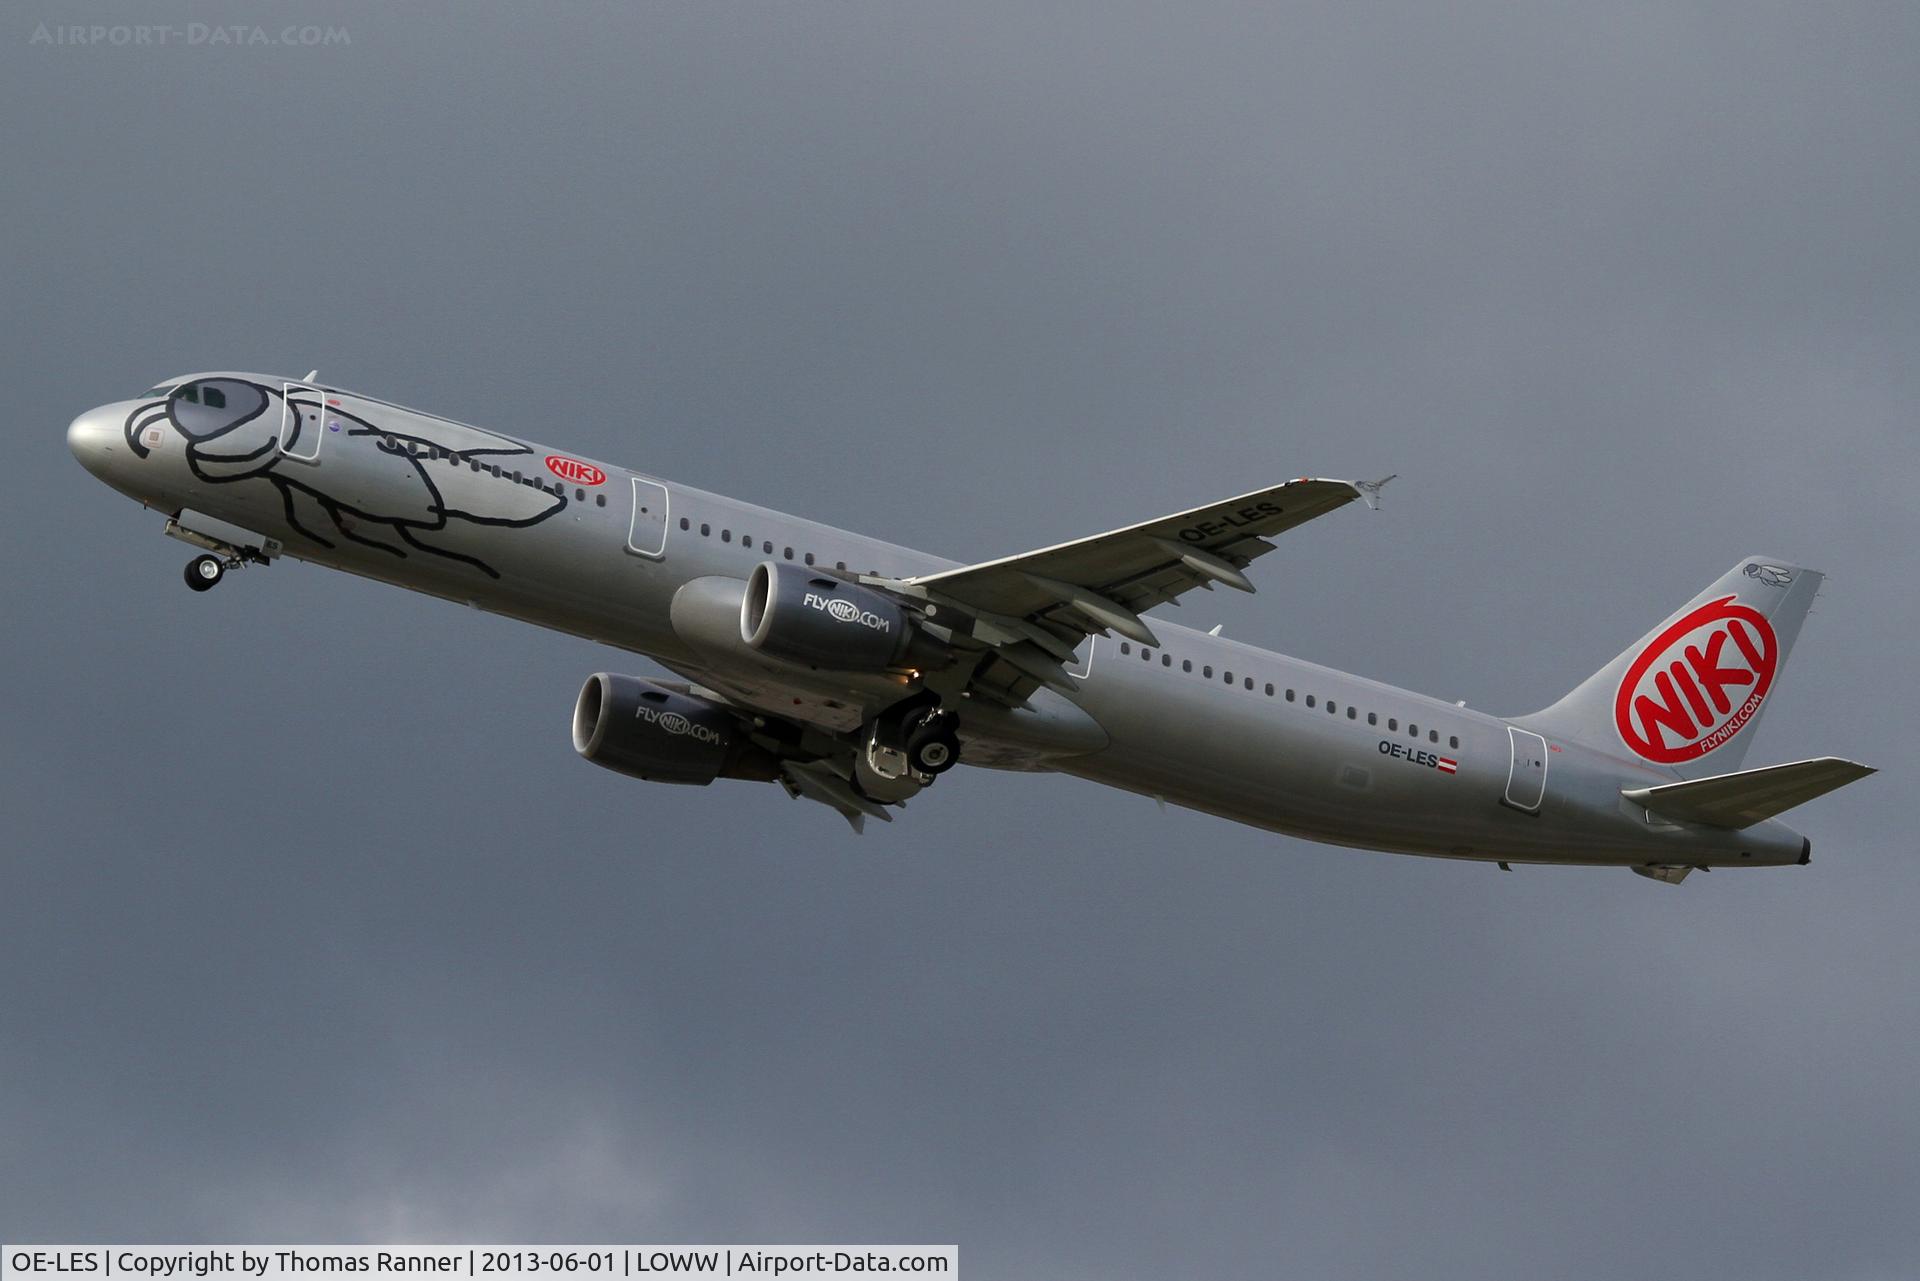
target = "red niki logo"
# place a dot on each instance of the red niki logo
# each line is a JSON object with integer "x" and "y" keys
{"x": 573, "y": 471}
{"x": 1697, "y": 683}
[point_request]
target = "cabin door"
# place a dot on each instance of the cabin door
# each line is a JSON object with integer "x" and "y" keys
{"x": 1527, "y": 772}
{"x": 301, "y": 428}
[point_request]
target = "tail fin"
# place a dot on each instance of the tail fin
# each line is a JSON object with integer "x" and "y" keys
{"x": 1688, "y": 693}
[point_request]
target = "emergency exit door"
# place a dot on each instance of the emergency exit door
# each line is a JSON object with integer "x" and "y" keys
{"x": 647, "y": 532}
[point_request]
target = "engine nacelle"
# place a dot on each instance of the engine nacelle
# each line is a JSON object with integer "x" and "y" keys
{"x": 801, "y": 615}
{"x": 635, "y": 727}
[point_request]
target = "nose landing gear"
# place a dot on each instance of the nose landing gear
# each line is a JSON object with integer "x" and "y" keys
{"x": 205, "y": 571}
{"x": 226, "y": 546}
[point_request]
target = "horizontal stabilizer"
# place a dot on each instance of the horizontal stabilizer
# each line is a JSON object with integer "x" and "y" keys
{"x": 1750, "y": 796}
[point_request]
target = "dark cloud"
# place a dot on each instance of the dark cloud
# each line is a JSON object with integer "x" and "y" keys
{"x": 314, "y": 928}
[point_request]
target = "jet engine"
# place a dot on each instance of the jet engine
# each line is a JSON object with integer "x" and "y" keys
{"x": 646, "y": 730}
{"x": 801, "y": 615}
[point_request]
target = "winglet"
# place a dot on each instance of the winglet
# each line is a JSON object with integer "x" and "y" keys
{"x": 1369, "y": 490}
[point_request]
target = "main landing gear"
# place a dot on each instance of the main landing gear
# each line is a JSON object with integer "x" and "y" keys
{"x": 933, "y": 747}
{"x": 917, "y": 736}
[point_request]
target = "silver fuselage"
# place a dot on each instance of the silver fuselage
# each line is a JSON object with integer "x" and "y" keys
{"x": 1191, "y": 722}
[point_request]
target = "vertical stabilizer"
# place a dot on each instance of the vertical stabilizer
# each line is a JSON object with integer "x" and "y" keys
{"x": 1687, "y": 695}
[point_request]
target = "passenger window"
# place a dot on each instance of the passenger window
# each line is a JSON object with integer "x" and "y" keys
{"x": 1373, "y": 718}
{"x": 1433, "y": 736}
{"x": 789, "y": 553}
{"x": 1332, "y": 708}
{"x": 726, "y": 535}
{"x": 1147, "y": 654}
{"x": 809, "y": 558}
{"x": 685, "y": 523}
{"x": 840, "y": 565}
{"x": 1186, "y": 664}
{"x": 706, "y": 530}
{"x": 1351, "y": 714}
{"x": 768, "y": 548}
{"x": 1309, "y": 700}
{"x": 1166, "y": 659}
{"x": 599, "y": 500}
{"x": 1125, "y": 648}
{"x": 1229, "y": 676}
{"x": 1248, "y": 682}
{"x": 1289, "y": 696}
{"x": 1453, "y": 741}
{"x": 1413, "y": 731}
{"x": 580, "y": 495}
{"x": 216, "y": 399}
{"x": 1207, "y": 671}
{"x": 1269, "y": 689}
{"x": 1392, "y": 723}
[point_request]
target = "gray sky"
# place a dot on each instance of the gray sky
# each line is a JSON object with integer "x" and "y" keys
{"x": 314, "y": 928}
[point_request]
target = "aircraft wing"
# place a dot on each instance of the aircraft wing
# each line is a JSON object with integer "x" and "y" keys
{"x": 1035, "y": 608}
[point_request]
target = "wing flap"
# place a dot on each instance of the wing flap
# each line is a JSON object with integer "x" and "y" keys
{"x": 1750, "y": 796}
{"x": 1029, "y": 613}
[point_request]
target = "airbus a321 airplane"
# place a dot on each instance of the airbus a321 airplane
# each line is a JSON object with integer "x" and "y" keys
{"x": 854, "y": 672}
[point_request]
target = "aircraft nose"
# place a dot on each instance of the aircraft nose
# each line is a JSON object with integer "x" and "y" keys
{"x": 92, "y": 437}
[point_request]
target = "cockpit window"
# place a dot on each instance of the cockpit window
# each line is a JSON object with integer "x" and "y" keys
{"x": 164, "y": 389}
{"x": 214, "y": 406}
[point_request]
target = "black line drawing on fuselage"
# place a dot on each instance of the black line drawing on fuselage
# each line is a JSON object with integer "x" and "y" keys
{"x": 237, "y": 431}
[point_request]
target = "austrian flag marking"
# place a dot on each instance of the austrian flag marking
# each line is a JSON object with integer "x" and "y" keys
{"x": 1697, "y": 683}
{"x": 1448, "y": 765}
